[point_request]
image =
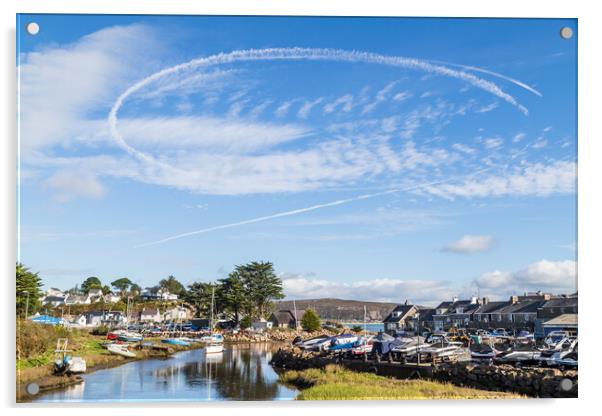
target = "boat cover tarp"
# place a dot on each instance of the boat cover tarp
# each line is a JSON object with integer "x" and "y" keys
{"x": 383, "y": 343}
{"x": 46, "y": 319}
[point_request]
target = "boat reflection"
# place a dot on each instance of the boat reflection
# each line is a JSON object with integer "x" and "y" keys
{"x": 241, "y": 372}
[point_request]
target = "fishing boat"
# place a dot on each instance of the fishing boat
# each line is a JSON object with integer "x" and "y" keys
{"x": 216, "y": 345}
{"x": 130, "y": 337}
{"x": 564, "y": 349}
{"x": 407, "y": 345}
{"x": 363, "y": 345}
{"x": 343, "y": 342}
{"x": 121, "y": 349}
{"x": 441, "y": 348}
{"x": 66, "y": 364}
{"x": 310, "y": 343}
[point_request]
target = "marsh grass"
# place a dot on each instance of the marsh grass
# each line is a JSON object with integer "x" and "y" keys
{"x": 336, "y": 383}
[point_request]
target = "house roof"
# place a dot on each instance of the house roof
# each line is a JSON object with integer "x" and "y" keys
{"x": 491, "y": 307}
{"x": 150, "y": 311}
{"x": 284, "y": 316}
{"x": 521, "y": 307}
{"x": 561, "y": 302}
{"x": 426, "y": 314}
{"x": 54, "y": 299}
{"x": 404, "y": 309}
{"x": 564, "y": 319}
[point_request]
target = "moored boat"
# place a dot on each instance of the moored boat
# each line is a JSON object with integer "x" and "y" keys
{"x": 121, "y": 349}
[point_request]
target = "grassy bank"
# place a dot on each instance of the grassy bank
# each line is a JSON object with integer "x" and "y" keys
{"x": 336, "y": 383}
{"x": 36, "y": 344}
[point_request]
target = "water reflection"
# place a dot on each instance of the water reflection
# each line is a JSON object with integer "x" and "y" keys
{"x": 239, "y": 373}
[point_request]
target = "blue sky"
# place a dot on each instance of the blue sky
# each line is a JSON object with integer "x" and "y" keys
{"x": 377, "y": 159}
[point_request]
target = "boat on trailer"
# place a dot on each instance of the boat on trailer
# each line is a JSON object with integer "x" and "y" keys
{"x": 66, "y": 364}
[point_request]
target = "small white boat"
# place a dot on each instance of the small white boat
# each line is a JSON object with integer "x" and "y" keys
{"x": 214, "y": 348}
{"x": 121, "y": 349}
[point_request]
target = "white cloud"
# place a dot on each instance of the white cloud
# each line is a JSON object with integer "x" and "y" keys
{"x": 549, "y": 276}
{"x": 208, "y": 133}
{"x": 518, "y": 137}
{"x": 307, "y": 107}
{"x": 302, "y": 286}
{"x": 487, "y": 108}
{"x": 345, "y": 103}
{"x": 540, "y": 143}
{"x": 493, "y": 142}
{"x": 67, "y": 186}
{"x": 463, "y": 148}
{"x": 470, "y": 244}
{"x": 402, "y": 96}
{"x": 59, "y": 86}
{"x": 529, "y": 180}
{"x": 381, "y": 96}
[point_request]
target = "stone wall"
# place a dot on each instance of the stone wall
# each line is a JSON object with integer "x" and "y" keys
{"x": 530, "y": 381}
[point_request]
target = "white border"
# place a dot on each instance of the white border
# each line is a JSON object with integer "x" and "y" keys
{"x": 590, "y": 32}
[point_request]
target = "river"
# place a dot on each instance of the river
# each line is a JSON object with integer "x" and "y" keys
{"x": 241, "y": 372}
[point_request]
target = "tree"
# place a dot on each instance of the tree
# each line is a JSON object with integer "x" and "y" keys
{"x": 122, "y": 285}
{"x": 233, "y": 295}
{"x": 199, "y": 296}
{"x": 91, "y": 282}
{"x": 28, "y": 290}
{"x": 135, "y": 290}
{"x": 246, "y": 322}
{"x": 172, "y": 285}
{"x": 357, "y": 329}
{"x": 262, "y": 286}
{"x": 310, "y": 321}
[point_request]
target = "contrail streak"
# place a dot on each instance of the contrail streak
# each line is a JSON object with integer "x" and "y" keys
{"x": 336, "y": 55}
{"x": 306, "y": 209}
{"x": 494, "y": 74}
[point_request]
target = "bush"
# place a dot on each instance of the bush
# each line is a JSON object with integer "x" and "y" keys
{"x": 37, "y": 339}
{"x": 310, "y": 320}
{"x": 100, "y": 330}
{"x": 246, "y": 322}
{"x": 357, "y": 329}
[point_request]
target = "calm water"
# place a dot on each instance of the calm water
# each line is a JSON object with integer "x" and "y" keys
{"x": 370, "y": 327}
{"x": 241, "y": 372}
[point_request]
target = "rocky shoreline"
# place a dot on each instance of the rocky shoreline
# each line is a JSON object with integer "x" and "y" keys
{"x": 530, "y": 381}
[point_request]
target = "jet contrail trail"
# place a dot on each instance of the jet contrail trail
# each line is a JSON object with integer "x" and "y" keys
{"x": 306, "y": 209}
{"x": 492, "y": 73}
{"x": 336, "y": 55}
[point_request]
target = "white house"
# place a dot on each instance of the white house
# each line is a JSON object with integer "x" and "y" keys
{"x": 54, "y": 300}
{"x": 176, "y": 313}
{"x": 78, "y": 300}
{"x": 261, "y": 325}
{"x": 150, "y": 315}
{"x": 53, "y": 291}
{"x": 96, "y": 318}
{"x": 112, "y": 298}
{"x": 95, "y": 294}
{"x": 164, "y": 294}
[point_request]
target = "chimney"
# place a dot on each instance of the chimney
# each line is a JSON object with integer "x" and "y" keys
{"x": 513, "y": 299}
{"x": 485, "y": 301}
{"x": 455, "y": 299}
{"x": 406, "y": 302}
{"x": 473, "y": 300}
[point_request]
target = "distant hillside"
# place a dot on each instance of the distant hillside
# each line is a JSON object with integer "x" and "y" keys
{"x": 341, "y": 310}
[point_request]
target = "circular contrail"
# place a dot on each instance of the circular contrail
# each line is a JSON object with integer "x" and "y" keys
{"x": 299, "y": 54}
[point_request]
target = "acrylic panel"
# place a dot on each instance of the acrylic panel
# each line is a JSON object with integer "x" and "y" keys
{"x": 295, "y": 208}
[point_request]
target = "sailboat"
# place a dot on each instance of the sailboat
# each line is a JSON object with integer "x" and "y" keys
{"x": 215, "y": 345}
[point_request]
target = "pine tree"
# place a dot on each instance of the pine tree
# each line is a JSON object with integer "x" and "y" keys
{"x": 310, "y": 321}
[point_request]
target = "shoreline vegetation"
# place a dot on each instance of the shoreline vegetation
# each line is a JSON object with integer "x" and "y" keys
{"x": 337, "y": 383}
{"x": 35, "y": 356}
